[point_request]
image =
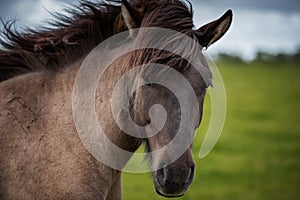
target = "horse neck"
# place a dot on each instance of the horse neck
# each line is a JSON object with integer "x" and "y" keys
{"x": 68, "y": 75}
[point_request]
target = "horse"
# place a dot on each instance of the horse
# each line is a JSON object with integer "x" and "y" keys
{"x": 41, "y": 153}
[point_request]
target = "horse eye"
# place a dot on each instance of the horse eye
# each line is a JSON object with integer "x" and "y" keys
{"x": 147, "y": 82}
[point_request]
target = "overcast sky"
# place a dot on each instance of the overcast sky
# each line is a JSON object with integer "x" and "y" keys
{"x": 270, "y": 25}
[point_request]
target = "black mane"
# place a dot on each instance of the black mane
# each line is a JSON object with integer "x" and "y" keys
{"x": 74, "y": 35}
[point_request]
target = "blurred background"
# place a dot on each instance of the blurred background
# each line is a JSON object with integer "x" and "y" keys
{"x": 257, "y": 156}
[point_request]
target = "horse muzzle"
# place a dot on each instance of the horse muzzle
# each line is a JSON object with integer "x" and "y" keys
{"x": 173, "y": 180}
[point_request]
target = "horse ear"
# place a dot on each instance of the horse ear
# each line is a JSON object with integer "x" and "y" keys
{"x": 130, "y": 15}
{"x": 213, "y": 31}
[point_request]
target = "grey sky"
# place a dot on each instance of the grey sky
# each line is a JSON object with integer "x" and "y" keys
{"x": 271, "y": 25}
{"x": 282, "y": 6}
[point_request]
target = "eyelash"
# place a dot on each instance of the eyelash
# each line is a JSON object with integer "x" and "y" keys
{"x": 149, "y": 84}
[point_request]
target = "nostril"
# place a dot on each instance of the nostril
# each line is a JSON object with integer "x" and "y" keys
{"x": 161, "y": 176}
{"x": 191, "y": 174}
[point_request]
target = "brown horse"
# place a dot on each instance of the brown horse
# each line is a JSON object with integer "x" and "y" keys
{"x": 42, "y": 156}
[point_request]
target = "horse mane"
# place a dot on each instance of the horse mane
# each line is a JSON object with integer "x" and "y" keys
{"x": 75, "y": 34}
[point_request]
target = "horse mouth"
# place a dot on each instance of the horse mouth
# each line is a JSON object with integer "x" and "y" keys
{"x": 168, "y": 195}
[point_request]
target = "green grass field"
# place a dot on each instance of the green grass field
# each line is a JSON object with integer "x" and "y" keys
{"x": 258, "y": 154}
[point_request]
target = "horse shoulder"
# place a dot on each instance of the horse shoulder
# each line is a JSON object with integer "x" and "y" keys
{"x": 41, "y": 153}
